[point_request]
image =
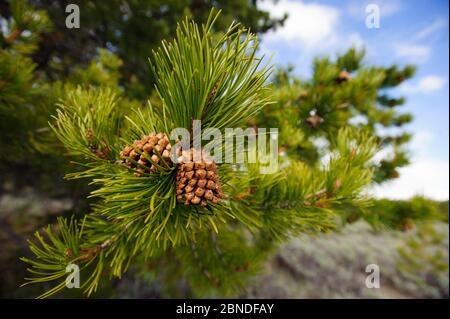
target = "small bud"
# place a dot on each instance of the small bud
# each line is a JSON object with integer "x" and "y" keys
{"x": 68, "y": 252}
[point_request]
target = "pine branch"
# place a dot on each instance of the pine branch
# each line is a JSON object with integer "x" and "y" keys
{"x": 87, "y": 123}
{"x": 220, "y": 83}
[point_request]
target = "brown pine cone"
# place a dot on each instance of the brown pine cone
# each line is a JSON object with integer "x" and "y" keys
{"x": 314, "y": 121}
{"x": 197, "y": 182}
{"x": 151, "y": 148}
{"x": 344, "y": 76}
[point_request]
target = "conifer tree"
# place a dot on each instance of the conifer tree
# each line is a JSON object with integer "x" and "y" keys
{"x": 403, "y": 214}
{"x": 216, "y": 233}
{"x": 28, "y": 94}
{"x": 132, "y": 29}
{"x": 341, "y": 92}
{"x": 20, "y": 87}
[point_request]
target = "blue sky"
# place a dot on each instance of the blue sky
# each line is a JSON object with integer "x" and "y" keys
{"x": 411, "y": 32}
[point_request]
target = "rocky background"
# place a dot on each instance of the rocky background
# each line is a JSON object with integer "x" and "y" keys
{"x": 413, "y": 264}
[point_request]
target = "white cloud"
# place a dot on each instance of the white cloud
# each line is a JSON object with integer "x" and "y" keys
{"x": 311, "y": 30}
{"x": 388, "y": 8}
{"x": 427, "y": 177}
{"x": 416, "y": 53}
{"x": 421, "y": 141}
{"x": 313, "y": 25}
{"x": 427, "y": 84}
{"x": 424, "y": 176}
{"x": 431, "y": 83}
{"x": 430, "y": 29}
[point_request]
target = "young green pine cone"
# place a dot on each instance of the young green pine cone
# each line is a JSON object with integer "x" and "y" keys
{"x": 146, "y": 153}
{"x": 197, "y": 179}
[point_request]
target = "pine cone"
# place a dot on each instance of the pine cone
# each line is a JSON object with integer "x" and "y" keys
{"x": 303, "y": 95}
{"x": 344, "y": 76}
{"x": 197, "y": 182}
{"x": 314, "y": 121}
{"x": 100, "y": 151}
{"x": 151, "y": 148}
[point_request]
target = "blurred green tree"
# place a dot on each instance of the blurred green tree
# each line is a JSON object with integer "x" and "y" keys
{"x": 341, "y": 92}
{"x": 21, "y": 88}
{"x": 403, "y": 214}
{"x": 131, "y": 29}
